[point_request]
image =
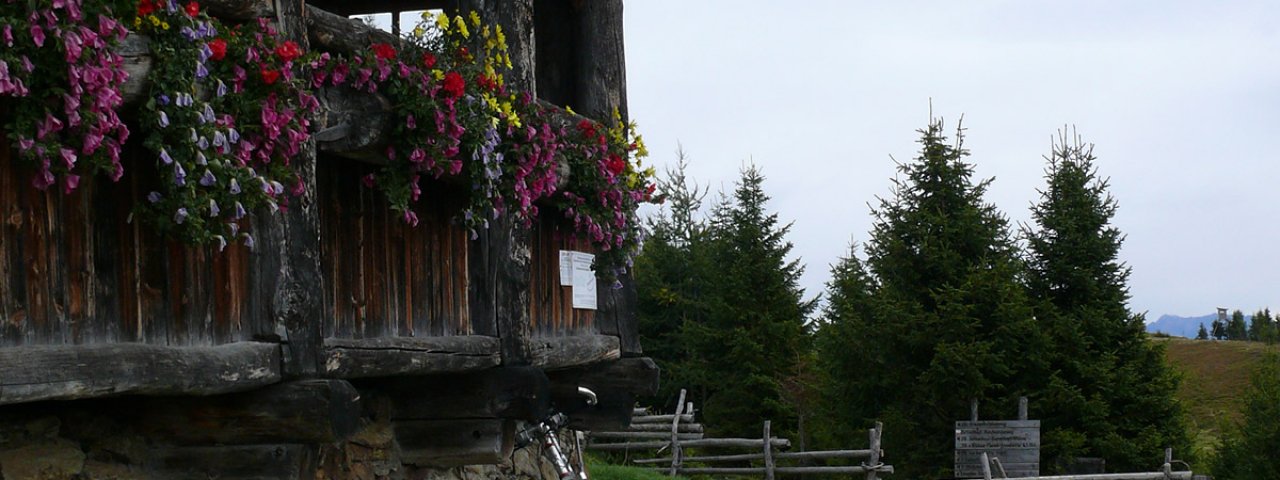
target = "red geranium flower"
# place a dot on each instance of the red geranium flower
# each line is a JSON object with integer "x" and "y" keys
{"x": 192, "y": 9}
{"x": 288, "y": 51}
{"x": 219, "y": 48}
{"x": 587, "y": 128}
{"x": 269, "y": 76}
{"x": 454, "y": 85}
{"x": 384, "y": 51}
{"x": 145, "y": 7}
{"x": 429, "y": 60}
{"x": 615, "y": 164}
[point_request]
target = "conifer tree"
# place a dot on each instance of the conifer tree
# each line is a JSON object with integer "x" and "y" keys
{"x": 1236, "y": 328}
{"x": 1113, "y": 396}
{"x": 1259, "y": 324}
{"x": 948, "y": 321}
{"x": 1202, "y": 334}
{"x": 755, "y": 330}
{"x": 1219, "y": 329}
{"x": 671, "y": 275}
{"x": 849, "y": 391}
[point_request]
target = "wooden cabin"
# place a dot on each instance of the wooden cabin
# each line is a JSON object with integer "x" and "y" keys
{"x": 342, "y": 323}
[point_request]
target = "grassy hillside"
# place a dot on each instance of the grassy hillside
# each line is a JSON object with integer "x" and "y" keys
{"x": 1215, "y": 375}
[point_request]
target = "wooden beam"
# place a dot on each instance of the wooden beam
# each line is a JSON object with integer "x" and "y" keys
{"x": 706, "y": 442}
{"x": 553, "y": 353}
{"x": 329, "y": 31}
{"x": 520, "y": 393}
{"x": 239, "y": 462}
{"x": 306, "y": 411}
{"x": 391, "y": 356}
{"x": 451, "y": 443}
{"x": 638, "y": 376}
{"x": 601, "y": 62}
{"x": 63, "y": 372}
{"x": 239, "y": 9}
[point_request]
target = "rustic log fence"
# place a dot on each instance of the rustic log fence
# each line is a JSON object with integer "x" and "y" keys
{"x": 1165, "y": 473}
{"x": 679, "y": 432}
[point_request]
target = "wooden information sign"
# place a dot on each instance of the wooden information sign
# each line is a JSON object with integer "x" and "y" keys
{"x": 1016, "y": 443}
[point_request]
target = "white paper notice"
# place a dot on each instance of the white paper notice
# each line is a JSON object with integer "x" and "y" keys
{"x": 584, "y": 281}
{"x": 566, "y": 268}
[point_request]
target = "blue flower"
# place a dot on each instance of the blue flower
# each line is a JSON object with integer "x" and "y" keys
{"x": 179, "y": 175}
{"x": 235, "y": 187}
{"x": 153, "y": 197}
{"x": 232, "y": 135}
{"x": 164, "y": 156}
{"x": 162, "y": 99}
{"x": 239, "y": 211}
{"x": 180, "y": 216}
{"x": 208, "y": 179}
{"x": 213, "y": 208}
{"x": 222, "y": 87}
{"x": 248, "y": 240}
{"x": 164, "y": 119}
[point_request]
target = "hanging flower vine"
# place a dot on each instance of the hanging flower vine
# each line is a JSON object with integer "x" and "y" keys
{"x": 225, "y": 114}
{"x": 61, "y": 77}
{"x": 227, "y": 108}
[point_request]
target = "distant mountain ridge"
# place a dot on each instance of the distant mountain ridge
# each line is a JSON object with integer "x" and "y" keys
{"x": 1185, "y": 326}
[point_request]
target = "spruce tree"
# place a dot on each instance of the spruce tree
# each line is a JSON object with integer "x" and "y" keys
{"x": 844, "y": 344}
{"x": 1259, "y": 324}
{"x": 755, "y": 331}
{"x": 949, "y": 321}
{"x": 1236, "y": 328}
{"x": 1113, "y": 396}
{"x": 1219, "y": 329}
{"x": 672, "y": 275}
{"x": 1202, "y": 334}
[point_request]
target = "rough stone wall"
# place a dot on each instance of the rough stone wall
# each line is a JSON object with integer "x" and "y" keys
{"x": 61, "y": 441}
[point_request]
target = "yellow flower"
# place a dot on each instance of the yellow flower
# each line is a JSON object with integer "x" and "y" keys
{"x": 475, "y": 18}
{"x": 155, "y": 22}
{"x": 462, "y": 26}
{"x": 137, "y": 22}
{"x": 438, "y": 74}
{"x": 418, "y": 32}
{"x": 500, "y": 37}
{"x": 442, "y": 21}
{"x": 164, "y": 25}
{"x": 570, "y": 110}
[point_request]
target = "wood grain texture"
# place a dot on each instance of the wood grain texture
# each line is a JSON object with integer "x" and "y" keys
{"x": 391, "y": 356}
{"x": 63, "y": 372}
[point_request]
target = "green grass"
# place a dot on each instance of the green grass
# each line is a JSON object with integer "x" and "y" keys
{"x": 1215, "y": 375}
{"x": 604, "y": 471}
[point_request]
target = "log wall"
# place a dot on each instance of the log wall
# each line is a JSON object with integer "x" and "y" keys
{"x": 74, "y": 270}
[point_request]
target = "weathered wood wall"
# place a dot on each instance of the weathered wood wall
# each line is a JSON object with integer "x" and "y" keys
{"x": 551, "y": 305}
{"x": 74, "y": 270}
{"x": 385, "y": 277}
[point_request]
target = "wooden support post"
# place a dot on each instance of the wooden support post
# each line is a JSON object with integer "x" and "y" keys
{"x": 768, "y": 452}
{"x": 986, "y": 466}
{"x": 676, "y": 454}
{"x": 973, "y": 410}
{"x": 295, "y": 241}
{"x": 873, "y": 463}
{"x": 602, "y": 73}
{"x": 1167, "y": 468}
{"x": 1022, "y": 408}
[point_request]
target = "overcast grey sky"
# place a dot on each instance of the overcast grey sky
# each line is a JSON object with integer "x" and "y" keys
{"x": 1181, "y": 98}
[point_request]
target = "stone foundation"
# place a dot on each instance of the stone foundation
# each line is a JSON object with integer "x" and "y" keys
{"x": 67, "y": 441}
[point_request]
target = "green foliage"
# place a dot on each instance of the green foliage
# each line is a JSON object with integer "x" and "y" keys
{"x": 721, "y": 310}
{"x": 1111, "y": 394}
{"x": 1236, "y": 328}
{"x": 600, "y": 470}
{"x": 1202, "y": 334}
{"x": 672, "y": 278}
{"x": 754, "y": 336}
{"x": 938, "y": 316}
{"x": 1249, "y": 451}
{"x": 1262, "y": 328}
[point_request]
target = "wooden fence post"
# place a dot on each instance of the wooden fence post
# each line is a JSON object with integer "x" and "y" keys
{"x": 873, "y": 464}
{"x": 768, "y": 453}
{"x": 1022, "y": 408}
{"x": 973, "y": 410}
{"x": 676, "y": 454}
{"x": 986, "y": 466}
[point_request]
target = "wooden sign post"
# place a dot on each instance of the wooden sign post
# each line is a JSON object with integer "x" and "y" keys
{"x": 1014, "y": 443}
